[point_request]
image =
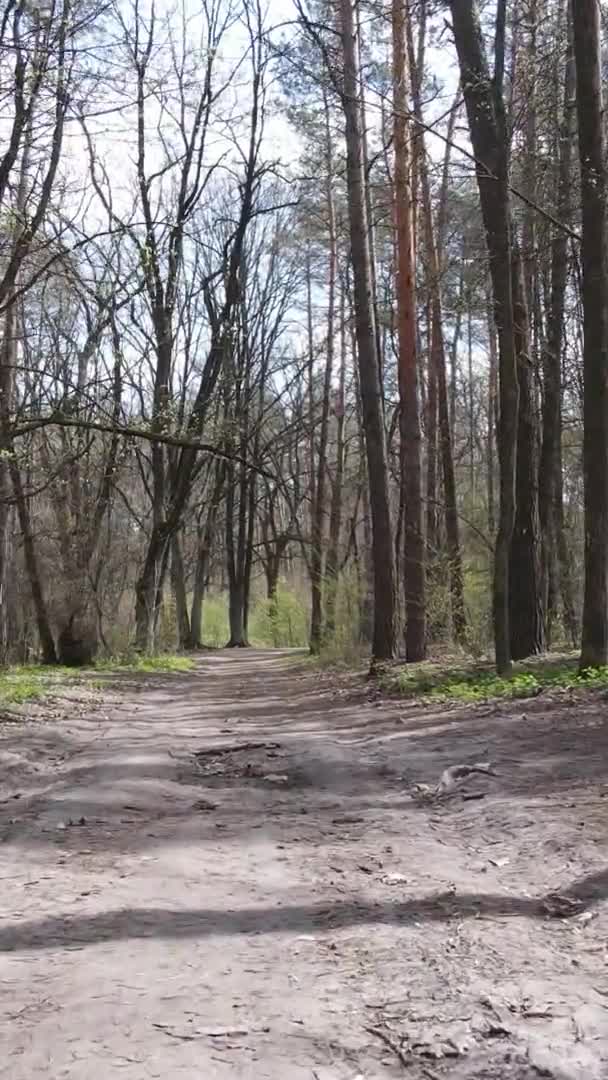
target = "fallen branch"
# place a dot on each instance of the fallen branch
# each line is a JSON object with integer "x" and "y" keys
{"x": 208, "y": 1033}
{"x": 451, "y": 778}
{"x": 380, "y": 1033}
{"x": 235, "y": 748}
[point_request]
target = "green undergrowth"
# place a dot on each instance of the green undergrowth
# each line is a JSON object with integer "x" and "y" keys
{"x": 146, "y": 664}
{"x": 479, "y": 682}
{"x": 21, "y": 683}
{"x": 28, "y": 682}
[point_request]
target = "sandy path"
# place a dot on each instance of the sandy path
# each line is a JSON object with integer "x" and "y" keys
{"x": 253, "y": 914}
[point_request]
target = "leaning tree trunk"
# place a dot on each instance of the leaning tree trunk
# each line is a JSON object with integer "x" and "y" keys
{"x": 383, "y": 645}
{"x": 588, "y": 59}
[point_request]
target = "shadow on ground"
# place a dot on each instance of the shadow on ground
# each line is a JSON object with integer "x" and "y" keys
{"x": 198, "y": 923}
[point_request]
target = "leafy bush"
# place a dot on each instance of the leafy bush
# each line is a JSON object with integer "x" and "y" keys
{"x": 280, "y": 623}
{"x": 215, "y": 630}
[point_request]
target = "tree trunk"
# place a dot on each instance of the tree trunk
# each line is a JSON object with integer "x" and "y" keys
{"x": 485, "y": 111}
{"x": 8, "y": 355}
{"x": 318, "y": 507}
{"x": 272, "y": 567}
{"x": 203, "y": 556}
{"x": 556, "y": 562}
{"x": 492, "y": 412}
{"x": 383, "y": 645}
{"x": 414, "y": 553}
{"x": 179, "y": 592}
{"x": 198, "y": 594}
{"x": 587, "y": 54}
{"x": 526, "y": 614}
{"x": 335, "y": 513}
{"x": 432, "y": 544}
{"x": 454, "y": 348}
{"x": 235, "y": 503}
{"x": 369, "y": 209}
{"x": 236, "y": 615}
{"x": 437, "y": 362}
{"x": 47, "y": 644}
{"x": 148, "y": 588}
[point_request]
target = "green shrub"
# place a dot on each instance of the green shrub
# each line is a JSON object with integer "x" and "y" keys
{"x": 215, "y": 630}
{"x": 280, "y": 623}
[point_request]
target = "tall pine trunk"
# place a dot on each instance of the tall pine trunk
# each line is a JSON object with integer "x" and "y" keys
{"x": 411, "y": 478}
{"x": 318, "y": 506}
{"x": 383, "y": 644}
{"x": 556, "y": 560}
{"x": 591, "y": 146}
{"x": 485, "y": 112}
{"x": 335, "y": 513}
{"x": 526, "y": 615}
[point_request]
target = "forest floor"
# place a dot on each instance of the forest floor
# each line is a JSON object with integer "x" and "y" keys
{"x": 172, "y": 906}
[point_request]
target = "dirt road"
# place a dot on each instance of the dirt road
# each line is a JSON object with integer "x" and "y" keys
{"x": 287, "y": 910}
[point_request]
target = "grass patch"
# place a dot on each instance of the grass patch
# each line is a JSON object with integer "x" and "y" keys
{"x": 146, "y": 664}
{"x": 21, "y": 683}
{"x": 480, "y": 683}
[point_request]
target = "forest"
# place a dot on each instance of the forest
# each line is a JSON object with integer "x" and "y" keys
{"x": 303, "y": 539}
{"x": 304, "y": 333}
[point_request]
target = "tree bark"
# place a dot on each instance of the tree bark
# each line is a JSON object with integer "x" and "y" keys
{"x": 437, "y": 363}
{"x": 383, "y": 644}
{"x": 526, "y": 614}
{"x": 492, "y": 416}
{"x": 318, "y": 515}
{"x": 335, "y": 513}
{"x": 485, "y": 111}
{"x": 203, "y": 557}
{"x": 45, "y": 633}
{"x": 591, "y": 146}
{"x": 179, "y": 592}
{"x": 556, "y": 561}
{"x": 411, "y": 478}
